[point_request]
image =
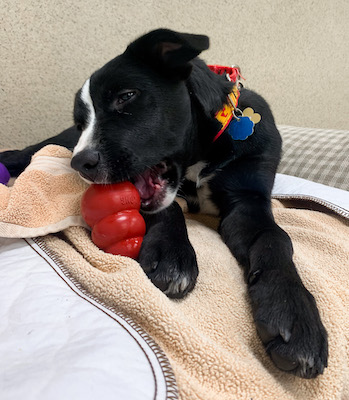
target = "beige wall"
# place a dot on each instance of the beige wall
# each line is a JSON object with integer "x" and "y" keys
{"x": 295, "y": 53}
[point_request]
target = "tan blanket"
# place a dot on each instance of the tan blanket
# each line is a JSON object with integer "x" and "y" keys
{"x": 45, "y": 198}
{"x": 209, "y": 336}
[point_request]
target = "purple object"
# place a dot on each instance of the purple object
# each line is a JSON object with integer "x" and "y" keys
{"x": 4, "y": 174}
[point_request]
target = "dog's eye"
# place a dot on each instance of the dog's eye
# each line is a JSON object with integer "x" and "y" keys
{"x": 123, "y": 97}
{"x": 126, "y": 96}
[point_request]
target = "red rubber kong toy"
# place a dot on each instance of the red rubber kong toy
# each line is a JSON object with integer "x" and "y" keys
{"x": 112, "y": 211}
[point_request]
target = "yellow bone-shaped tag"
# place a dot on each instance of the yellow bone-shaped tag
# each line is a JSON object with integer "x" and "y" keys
{"x": 254, "y": 117}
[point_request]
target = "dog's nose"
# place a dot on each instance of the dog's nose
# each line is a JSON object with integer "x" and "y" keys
{"x": 86, "y": 162}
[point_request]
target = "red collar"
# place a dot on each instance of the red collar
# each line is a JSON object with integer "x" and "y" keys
{"x": 227, "y": 113}
{"x": 233, "y": 72}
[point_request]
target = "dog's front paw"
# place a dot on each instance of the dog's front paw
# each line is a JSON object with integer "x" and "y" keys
{"x": 172, "y": 267}
{"x": 288, "y": 322}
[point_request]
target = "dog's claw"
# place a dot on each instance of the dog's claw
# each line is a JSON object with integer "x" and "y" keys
{"x": 253, "y": 277}
{"x": 268, "y": 333}
{"x": 150, "y": 267}
{"x": 285, "y": 334}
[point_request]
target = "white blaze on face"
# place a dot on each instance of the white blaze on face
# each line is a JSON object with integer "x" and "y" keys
{"x": 85, "y": 140}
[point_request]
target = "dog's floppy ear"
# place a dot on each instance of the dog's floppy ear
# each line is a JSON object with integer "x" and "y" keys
{"x": 168, "y": 51}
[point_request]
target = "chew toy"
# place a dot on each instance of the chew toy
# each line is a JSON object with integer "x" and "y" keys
{"x": 4, "y": 174}
{"x": 112, "y": 211}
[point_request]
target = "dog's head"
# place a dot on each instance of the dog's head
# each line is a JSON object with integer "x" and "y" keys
{"x": 135, "y": 117}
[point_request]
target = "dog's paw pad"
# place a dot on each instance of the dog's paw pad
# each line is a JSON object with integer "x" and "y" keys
{"x": 284, "y": 363}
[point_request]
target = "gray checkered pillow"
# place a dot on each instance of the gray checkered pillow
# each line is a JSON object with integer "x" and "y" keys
{"x": 318, "y": 155}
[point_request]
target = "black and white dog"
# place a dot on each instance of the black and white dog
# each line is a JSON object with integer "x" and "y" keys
{"x": 149, "y": 116}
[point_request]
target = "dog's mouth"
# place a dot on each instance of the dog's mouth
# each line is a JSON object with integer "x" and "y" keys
{"x": 156, "y": 187}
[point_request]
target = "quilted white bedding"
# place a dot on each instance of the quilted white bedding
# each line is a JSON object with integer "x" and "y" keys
{"x": 56, "y": 342}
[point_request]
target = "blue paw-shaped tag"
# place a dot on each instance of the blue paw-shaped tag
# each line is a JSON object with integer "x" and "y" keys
{"x": 242, "y": 127}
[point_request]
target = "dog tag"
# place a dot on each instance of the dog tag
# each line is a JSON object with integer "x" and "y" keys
{"x": 242, "y": 127}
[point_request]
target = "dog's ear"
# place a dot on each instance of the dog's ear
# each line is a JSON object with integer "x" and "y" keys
{"x": 168, "y": 51}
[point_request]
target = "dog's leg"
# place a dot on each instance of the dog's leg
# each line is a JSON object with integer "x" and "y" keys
{"x": 285, "y": 313}
{"x": 166, "y": 254}
{"x": 17, "y": 160}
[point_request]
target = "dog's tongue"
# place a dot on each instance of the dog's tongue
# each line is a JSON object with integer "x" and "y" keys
{"x": 145, "y": 185}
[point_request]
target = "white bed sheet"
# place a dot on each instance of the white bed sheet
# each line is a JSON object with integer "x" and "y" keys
{"x": 291, "y": 187}
{"x": 55, "y": 343}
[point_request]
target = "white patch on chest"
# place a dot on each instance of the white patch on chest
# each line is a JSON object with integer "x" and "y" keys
{"x": 203, "y": 189}
{"x": 193, "y": 172}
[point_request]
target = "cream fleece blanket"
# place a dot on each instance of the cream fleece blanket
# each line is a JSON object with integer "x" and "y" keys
{"x": 209, "y": 337}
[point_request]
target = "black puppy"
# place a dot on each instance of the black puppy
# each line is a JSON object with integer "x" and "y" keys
{"x": 149, "y": 116}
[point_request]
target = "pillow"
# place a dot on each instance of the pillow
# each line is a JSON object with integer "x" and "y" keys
{"x": 319, "y": 155}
